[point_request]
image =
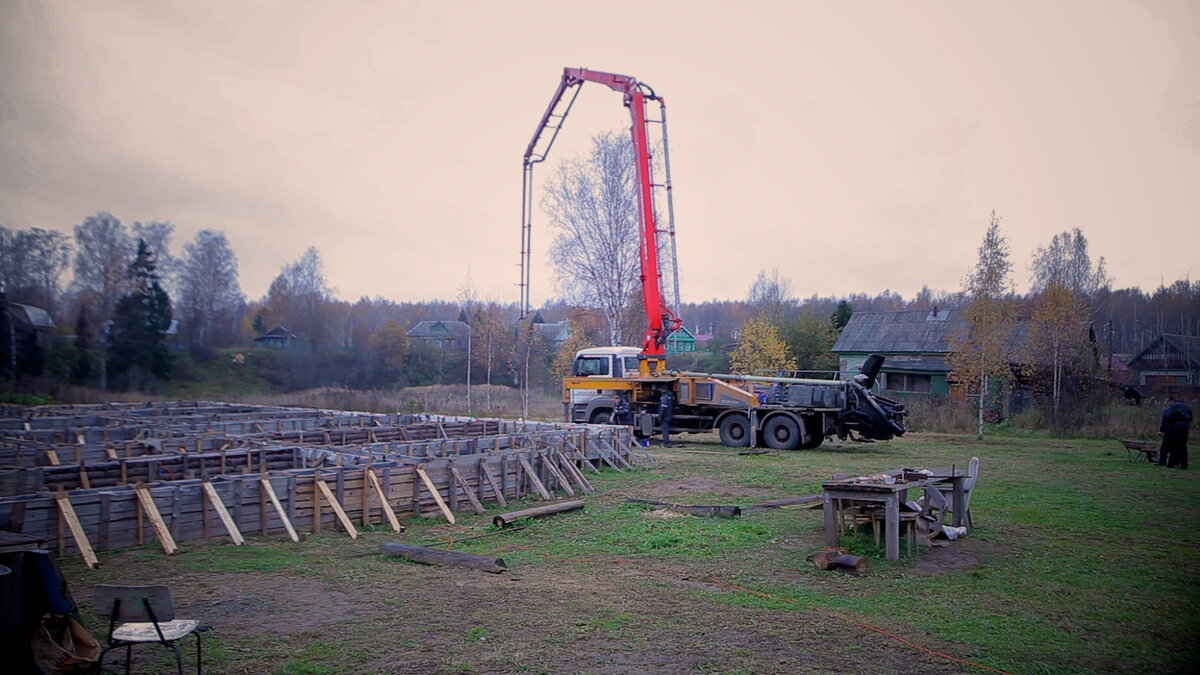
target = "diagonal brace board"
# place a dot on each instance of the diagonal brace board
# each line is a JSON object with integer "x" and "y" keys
{"x": 437, "y": 497}
{"x": 287, "y": 523}
{"x": 533, "y": 478}
{"x": 479, "y": 510}
{"x": 491, "y": 480}
{"x": 77, "y": 531}
{"x": 210, "y": 493}
{"x": 387, "y": 508}
{"x": 337, "y": 508}
{"x": 160, "y": 526}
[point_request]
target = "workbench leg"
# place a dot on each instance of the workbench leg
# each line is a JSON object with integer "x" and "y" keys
{"x": 892, "y": 527}
{"x": 831, "y": 522}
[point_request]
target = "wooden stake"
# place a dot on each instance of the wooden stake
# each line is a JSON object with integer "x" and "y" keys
{"x": 337, "y": 509}
{"x": 67, "y": 512}
{"x": 479, "y": 510}
{"x": 287, "y": 523}
{"x": 548, "y": 462}
{"x": 213, "y": 498}
{"x": 383, "y": 501}
{"x": 437, "y": 497}
{"x": 160, "y": 527}
{"x": 491, "y": 480}
{"x": 537, "y": 483}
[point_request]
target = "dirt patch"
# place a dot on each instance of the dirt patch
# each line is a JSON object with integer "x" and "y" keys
{"x": 680, "y": 488}
{"x": 940, "y": 559}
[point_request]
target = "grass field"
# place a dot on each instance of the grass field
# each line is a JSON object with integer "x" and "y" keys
{"x": 1080, "y": 562}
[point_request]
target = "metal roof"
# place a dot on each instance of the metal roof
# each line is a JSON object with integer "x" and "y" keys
{"x": 911, "y": 331}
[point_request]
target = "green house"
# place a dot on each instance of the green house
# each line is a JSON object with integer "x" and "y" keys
{"x": 915, "y": 344}
{"x": 681, "y": 341}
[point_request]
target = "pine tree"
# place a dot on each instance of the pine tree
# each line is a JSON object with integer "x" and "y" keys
{"x": 137, "y": 355}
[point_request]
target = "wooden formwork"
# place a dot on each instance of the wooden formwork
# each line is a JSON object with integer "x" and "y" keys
{"x": 189, "y": 480}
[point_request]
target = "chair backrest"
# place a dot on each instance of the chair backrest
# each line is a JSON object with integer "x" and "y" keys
{"x": 969, "y": 482}
{"x": 133, "y": 601}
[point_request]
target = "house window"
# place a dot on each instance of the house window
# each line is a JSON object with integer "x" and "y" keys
{"x": 910, "y": 383}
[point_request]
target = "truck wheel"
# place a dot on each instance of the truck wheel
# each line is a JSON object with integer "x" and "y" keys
{"x": 782, "y": 433}
{"x": 601, "y": 417}
{"x": 735, "y": 431}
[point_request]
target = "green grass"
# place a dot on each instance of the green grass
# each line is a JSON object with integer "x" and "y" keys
{"x": 1080, "y": 562}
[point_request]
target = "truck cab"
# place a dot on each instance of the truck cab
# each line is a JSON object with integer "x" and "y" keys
{"x": 598, "y": 374}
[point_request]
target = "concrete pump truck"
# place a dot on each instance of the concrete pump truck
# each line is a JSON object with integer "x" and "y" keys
{"x": 746, "y": 410}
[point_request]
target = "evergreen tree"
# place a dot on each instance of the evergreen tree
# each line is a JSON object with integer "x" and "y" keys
{"x": 137, "y": 355}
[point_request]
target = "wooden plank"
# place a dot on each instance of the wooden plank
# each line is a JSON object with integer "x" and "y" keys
{"x": 214, "y": 499}
{"x": 160, "y": 527}
{"x": 437, "y": 497}
{"x": 573, "y": 471}
{"x": 537, "y": 483}
{"x": 52, "y": 456}
{"x": 67, "y": 512}
{"x": 287, "y": 524}
{"x": 337, "y": 508}
{"x": 491, "y": 481}
{"x": 549, "y": 463}
{"x": 383, "y": 500}
{"x": 479, "y": 510}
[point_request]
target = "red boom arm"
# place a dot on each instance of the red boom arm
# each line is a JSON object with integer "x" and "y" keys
{"x": 661, "y": 320}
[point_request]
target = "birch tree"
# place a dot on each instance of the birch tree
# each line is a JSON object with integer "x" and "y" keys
{"x": 593, "y": 210}
{"x": 761, "y": 348}
{"x": 980, "y": 345}
{"x": 209, "y": 292}
{"x": 1064, "y": 284}
{"x": 103, "y": 252}
{"x": 771, "y": 294}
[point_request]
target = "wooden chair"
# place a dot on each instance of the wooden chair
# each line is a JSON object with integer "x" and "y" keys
{"x": 142, "y": 615}
{"x": 968, "y": 486}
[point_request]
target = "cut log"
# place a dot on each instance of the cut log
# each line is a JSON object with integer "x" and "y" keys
{"x": 437, "y": 556}
{"x": 506, "y": 519}
{"x": 695, "y": 510}
{"x": 838, "y": 559}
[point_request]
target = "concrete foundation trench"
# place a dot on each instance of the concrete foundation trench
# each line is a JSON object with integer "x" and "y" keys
{"x": 90, "y": 478}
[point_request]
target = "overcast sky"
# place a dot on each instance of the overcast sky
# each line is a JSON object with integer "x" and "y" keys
{"x": 855, "y": 146}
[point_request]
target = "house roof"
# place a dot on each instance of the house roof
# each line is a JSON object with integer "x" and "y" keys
{"x": 276, "y": 333}
{"x": 909, "y": 331}
{"x": 554, "y": 332}
{"x": 34, "y": 317}
{"x": 1169, "y": 352}
{"x": 439, "y": 329}
{"x": 682, "y": 333}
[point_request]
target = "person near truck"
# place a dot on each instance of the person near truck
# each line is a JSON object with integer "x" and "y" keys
{"x": 1176, "y": 420}
{"x": 666, "y": 411}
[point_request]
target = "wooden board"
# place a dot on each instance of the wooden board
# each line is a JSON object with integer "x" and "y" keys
{"x": 287, "y": 524}
{"x": 77, "y": 531}
{"x": 437, "y": 497}
{"x": 214, "y": 499}
{"x": 151, "y": 511}
{"x": 337, "y": 508}
{"x": 383, "y": 500}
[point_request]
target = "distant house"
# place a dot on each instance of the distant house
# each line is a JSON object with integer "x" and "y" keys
{"x": 915, "y": 344}
{"x": 440, "y": 333}
{"x": 1168, "y": 361}
{"x": 681, "y": 341}
{"x": 278, "y": 337}
{"x": 30, "y": 320}
{"x": 553, "y": 334}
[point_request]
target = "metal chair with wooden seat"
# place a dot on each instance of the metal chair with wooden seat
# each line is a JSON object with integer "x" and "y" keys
{"x": 142, "y": 615}
{"x": 967, "y": 487}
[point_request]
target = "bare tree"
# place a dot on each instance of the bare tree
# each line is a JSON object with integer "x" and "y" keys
{"x": 980, "y": 346}
{"x": 592, "y": 206}
{"x": 103, "y": 253}
{"x": 31, "y": 264}
{"x": 467, "y": 302}
{"x": 1064, "y": 284}
{"x": 299, "y": 298}
{"x": 209, "y": 291}
{"x": 771, "y": 294}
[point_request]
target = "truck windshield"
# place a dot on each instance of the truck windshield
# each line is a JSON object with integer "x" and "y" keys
{"x": 591, "y": 365}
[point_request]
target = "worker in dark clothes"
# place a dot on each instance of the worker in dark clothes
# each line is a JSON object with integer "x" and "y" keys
{"x": 622, "y": 413}
{"x": 666, "y": 411}
{"x": 1176, "y": 420}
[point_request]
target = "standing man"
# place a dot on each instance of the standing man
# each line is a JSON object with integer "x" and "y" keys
{"x": 666, "y": 411}
{"x": 1176, "y": 420}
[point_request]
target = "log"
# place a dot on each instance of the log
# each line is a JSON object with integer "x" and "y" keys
{"x": 437, "y": 556}
{"x": 506, "y": 519}
{"x": 695, "y": 510}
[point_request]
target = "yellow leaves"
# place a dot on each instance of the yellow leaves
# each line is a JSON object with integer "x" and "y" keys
{"x": 761, "y": 348}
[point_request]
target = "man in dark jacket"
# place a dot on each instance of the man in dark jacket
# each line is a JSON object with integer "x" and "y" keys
{"x": 1175, "y": 422}
{"x": 666, "y": 411}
